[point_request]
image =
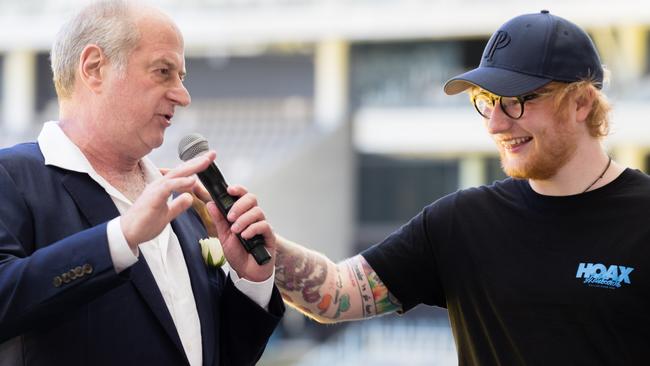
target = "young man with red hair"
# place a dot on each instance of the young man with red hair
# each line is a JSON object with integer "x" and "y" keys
{"x": 546, "y": 267}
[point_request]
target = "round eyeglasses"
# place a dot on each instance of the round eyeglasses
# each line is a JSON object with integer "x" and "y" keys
{"x": 513, "y": 107}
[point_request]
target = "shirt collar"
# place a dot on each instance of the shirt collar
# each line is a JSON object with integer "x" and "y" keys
{"x": 58, "y": 150}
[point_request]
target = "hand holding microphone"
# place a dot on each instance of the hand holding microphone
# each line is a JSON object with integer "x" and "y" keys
{"x": 193, "y": 145}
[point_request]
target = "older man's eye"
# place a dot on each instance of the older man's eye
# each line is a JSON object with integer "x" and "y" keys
{"x": 163, "y": 72}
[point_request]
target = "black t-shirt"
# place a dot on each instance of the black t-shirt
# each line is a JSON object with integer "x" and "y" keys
{"x": 531, "y": 279}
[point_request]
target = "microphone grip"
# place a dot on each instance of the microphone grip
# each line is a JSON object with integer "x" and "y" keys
{"x": 217, "y": 187}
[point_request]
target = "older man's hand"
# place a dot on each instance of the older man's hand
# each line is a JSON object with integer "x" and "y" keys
{"x": 247, "y": 219}
{"x": 152, "y": 211}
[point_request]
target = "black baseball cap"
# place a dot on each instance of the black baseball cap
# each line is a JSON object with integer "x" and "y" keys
{"x": 530, "y": 51}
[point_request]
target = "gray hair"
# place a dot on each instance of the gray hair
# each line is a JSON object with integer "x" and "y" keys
{"x": 108, "y": 24}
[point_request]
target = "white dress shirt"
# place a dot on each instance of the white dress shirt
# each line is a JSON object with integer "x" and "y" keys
{"x": 163, "y": 254}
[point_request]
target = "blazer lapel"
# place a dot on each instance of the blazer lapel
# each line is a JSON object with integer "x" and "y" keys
{"x": 188, "y": 238}
{"x": 97, "y": 207}
{"x": 93, "y": 202}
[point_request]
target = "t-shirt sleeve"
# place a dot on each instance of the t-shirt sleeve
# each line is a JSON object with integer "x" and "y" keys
{"x": 406, "y": 263}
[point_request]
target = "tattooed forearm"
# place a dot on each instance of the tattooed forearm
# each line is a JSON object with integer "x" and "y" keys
{"x": 326, "y": 291}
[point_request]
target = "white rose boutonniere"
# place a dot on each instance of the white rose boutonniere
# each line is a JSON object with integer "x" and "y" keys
{"x": 212, "y": 252}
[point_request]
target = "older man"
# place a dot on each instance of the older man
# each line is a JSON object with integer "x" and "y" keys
{"x": 99, "y": 263}
{"x": 547, "y": 267}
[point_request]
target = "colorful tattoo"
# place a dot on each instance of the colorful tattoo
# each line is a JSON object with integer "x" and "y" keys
{"x": 324, "y": 304}
{"x": 344, "y": 305}
{"x": 303, "y": 276}
{"x": 385, "y": 302}
{"x": 306, "y": 273}
{"x": 365, "y": 291}
{"x": 301, "y": 273}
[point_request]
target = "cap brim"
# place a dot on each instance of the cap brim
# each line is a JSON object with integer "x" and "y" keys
{"x": 497, "y": 81}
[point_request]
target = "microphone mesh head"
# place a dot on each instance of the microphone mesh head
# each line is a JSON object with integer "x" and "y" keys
{"x": 192, "y": 145}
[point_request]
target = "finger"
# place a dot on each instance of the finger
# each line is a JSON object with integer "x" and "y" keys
{"x": 201, "y": 193}
{"x": 179, "y": 205}
{"x": 182, "y": 184}
{"x": 157, "y": 193}
{"x": 193, "y": 166}
{"x": 237, "y": 190}
{"x": 164, "y": 171}
{"x": 247, "y": 218}
{"x": 242, "y": 205}
{"x": 258, "y": 228}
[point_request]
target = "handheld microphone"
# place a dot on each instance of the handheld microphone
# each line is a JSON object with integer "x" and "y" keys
{"x": 193, "y": 145}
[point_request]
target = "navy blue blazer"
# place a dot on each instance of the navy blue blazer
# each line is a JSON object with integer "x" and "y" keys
{"x": 61, "y": 301}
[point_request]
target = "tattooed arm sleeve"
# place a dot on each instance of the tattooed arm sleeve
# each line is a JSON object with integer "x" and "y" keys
{"x": 330, "y": 292}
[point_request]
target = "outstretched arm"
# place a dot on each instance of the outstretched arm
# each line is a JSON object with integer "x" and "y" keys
{"x": 330, "y": 292}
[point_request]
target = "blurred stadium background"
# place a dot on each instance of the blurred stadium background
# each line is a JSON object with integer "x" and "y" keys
{"x": 332, "y": 111}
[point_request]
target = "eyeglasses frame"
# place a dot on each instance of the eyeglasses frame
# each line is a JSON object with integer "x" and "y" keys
{"x": 522, "y": 99}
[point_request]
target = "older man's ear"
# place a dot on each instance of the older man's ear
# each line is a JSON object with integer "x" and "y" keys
{"x": 92, "y": 64}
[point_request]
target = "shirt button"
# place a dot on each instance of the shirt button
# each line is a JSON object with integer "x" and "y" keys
{"x": 57, "y": 281}
{"x": 65, "y": 277}
{"x": 78, "y": 271}
{"x": 88, "y": 269}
